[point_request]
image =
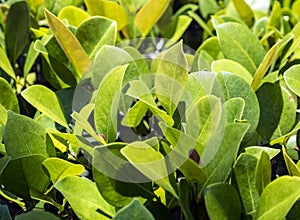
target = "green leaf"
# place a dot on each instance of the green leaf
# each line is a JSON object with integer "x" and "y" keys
{"x": 245, "y": 174}
{"x": 135, "y": 115}
{"x": 27, "y": 174}
{"x": 102, "y": 31}
{"x": 116, "y": 178}
{"x": 4, "y": 213}
{"x": 234, "y": 86}
{"x": 264, "y": 66}
{"x": 203, "y": 119}
{"x": 5, "y": 64}
{"x": 59, "y": 169}
{"x": 149, "y": 162}
{"x": 8, "y": 98}
{"x": 107, "y": 99}
{"x": 272, "y": 152}
{"x": 239, "y": 44}
{"x": 84, "y": 198}
{"x": 47, "y": 102}
{"x": 278, "y": 198}
{"x": 68, "y": 43}
{"x": 234, "y": 109}
{"x": 107, "y": 58}
{"x": 222, "y": 202}
{"x": 144, "y": 20}
{"x": 138, "y": 90}
{"x": 171, "y": 70}
{"x": 108, "y": 9}
{"x": 17, "y": 30}
{"x": 245, "y": 12}
{"x": 134, "y": 211}
{"x": 37, "y": 214}
{"x": 278, "y": 111}
{"x": 74, "y": 15}
{"x": 290, "y": 165}
{"x": 208, "y": 7}
{"x": 182, "y": 24}
{"x": 225, "y": 65}
{"x": 292, "y": 79}
{"x": 21, "y": 144}
{"x": 185, "y": 198}
{"x": 218, "y": 168}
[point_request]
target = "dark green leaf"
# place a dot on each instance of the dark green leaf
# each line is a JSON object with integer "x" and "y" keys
{"x": 17, "y": 30}
{"x": 222, "y": 202}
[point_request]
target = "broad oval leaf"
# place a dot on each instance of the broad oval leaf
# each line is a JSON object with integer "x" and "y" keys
{"x": 222, "y": 202}
{"x": 37, "y": 214}
{"x": 225, "y": 65}
{"x": 19, "y": 143}
{"x": 292, "y": 79}
{"x": 74, "y": 15}
{"x": 233, "y": 86}
{"x": 238, "y": 43}
{"x": 149, "y": 162}
{"x": 8, "y": 98}
{"x": 17, "y": 28}
{"x": 278, "y": 198}
{"x": 145, "y": 20}
{"x": 68, "y": 43}
{"x": 84, "y": 198}
{"x": 28, "y": 174}
{"x": 109, "y": 9}
{"x": 134, "y": 211}
{"x": 101, "y": 31}
{"x": 59, "y": 169}
{"x": 47, "y": 102}
{"x": 278, "y": 111}
{"x": 106, "y": 103}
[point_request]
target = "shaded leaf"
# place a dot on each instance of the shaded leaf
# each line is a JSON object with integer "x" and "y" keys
{"x": 17, "y": 30}
{"x": 37, "y": 214}
{"x": 222, "y": 202}
{"x": 4, "y": 213}
{"x": 27, "y": 174}
{"x": 149, "y": 162}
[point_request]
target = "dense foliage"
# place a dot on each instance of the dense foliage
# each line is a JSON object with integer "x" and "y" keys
{"x": 158, "y": 109}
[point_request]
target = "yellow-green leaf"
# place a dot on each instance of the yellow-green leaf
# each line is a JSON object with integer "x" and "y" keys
{"x": 68, "y": 43}
{"x": 46, "y": 102}
{"x": 59, "y": 168}
{"x": 74, "y": 15}
{"x": 108, "y": 9}
{"x": 149, "y": 15}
